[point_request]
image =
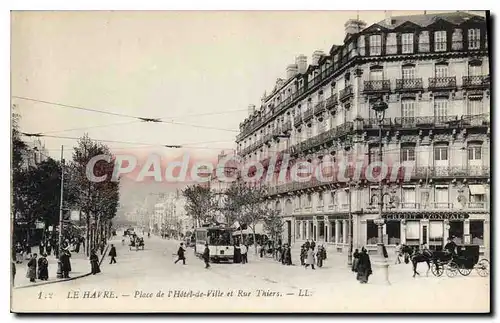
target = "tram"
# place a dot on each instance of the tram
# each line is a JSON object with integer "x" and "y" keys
{"x": 219, "y": 240}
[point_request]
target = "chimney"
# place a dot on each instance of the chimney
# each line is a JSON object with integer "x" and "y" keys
{"x": 251, "y": 109}
{"x": 354, "y": 26}
{"x": 301, "y": 62}
{"x": 316, "y": 56}
{"x": 388, "y": 18}
{"x": 291, "y": 71}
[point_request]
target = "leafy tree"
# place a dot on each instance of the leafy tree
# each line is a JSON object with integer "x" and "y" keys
{"x": 200, "y": 204}
{"x": 273, "y": 224}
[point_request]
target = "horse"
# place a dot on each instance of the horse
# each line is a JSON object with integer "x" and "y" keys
{"x": 427, "y": 256}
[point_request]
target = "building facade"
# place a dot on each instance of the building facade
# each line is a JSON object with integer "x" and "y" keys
{"x": 433, "y": 73}
{"x": 170, "y": 216}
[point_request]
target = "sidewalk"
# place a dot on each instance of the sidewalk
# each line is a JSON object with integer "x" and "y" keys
{"x": 80, "y": 267}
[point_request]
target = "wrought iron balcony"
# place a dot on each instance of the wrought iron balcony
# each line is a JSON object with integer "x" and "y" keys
{"x": 344, "y": 128}
{"x": 380, "y": 86}
{"x": 308, "y": 114}
{"x": 442, "y": 83}
{"x": 450, "y": 171}
{"x": 407, "y": 85}
{"x": 319, "y": 108}
{"x": 409, "y": 205}
{"x": 476, "y": 82}
{"x": 297, "y": 120}
{"x": 373, "y": 123}
{"x": 476, "y": 205}
{"x": 345, "y": 93}
{"x": 442, "y": 205}
{"x": 427, "y": 121}
{"x": 332, "y": 102}
{"x": 476, "y": 120}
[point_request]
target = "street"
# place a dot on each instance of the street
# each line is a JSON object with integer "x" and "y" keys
{"x": 139, "y": 275}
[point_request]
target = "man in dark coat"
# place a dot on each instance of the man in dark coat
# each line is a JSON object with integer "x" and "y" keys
{"x": 237, "y": 254}
{"x": 65, "y": 263}
{"x": 31, "y": 273}
{"x": 364, "y": 268}
{"x": 206, "y": 256}
{"x": 451, "y": 247}
{"x": 94, "y": 263}
{"x": 43, "y": 267}
{"x": 180, "y": 254}
{"x": 112, "y": 254}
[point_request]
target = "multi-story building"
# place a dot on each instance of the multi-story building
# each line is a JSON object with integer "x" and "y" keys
{"x": 433, "y": 73}
{"x": 170, "y": 215}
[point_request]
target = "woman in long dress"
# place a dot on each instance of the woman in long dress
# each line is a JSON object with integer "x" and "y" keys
{"x": 94, "y": 263}
{"x": 355, "y": 260}
{"x": 364, "y": 267}
{"x": 31, "y": 272}
{"x": 310, "y": 257}
{"x": 43, "y": 268}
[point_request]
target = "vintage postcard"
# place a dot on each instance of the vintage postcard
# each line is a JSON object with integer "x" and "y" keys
{"x": 250, "y": 162}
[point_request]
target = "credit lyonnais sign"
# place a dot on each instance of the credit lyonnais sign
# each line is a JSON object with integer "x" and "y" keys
{"x": 425, "y": 216}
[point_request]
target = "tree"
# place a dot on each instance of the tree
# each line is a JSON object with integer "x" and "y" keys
{"x": 200, "y": 204}
{"x": 273, "y": 224}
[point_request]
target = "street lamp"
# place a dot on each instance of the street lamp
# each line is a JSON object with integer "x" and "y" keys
{"x": 379, "y": 107}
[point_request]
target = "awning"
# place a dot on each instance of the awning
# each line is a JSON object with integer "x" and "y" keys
{"x": 477, "y": 189}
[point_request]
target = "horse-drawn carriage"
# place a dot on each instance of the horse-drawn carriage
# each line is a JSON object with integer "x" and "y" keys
{"x": 464, "y": 261}
{"x": 137, "y": 243}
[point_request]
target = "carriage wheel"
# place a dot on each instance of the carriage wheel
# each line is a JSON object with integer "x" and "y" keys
{"x": 464, "y": 271}
{"x": 483, "y": 268}
{"x": 437, "y": 269}
{"x": 452, "y": 270}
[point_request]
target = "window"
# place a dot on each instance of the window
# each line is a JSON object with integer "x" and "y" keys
{"x": 309, "y": 200}
{"x": 413, "y": 232}
{"x": 408, "y": 153}
{"x": 374, "y": 154}
{"x": 297, "y": 230}
{"x": 457, "y": 39}
{"x": 456, "y": 232}
{"x": 309, "y": 132}
{"x": 409, "y": 197}
{"x": 474, "y": 38}
{"x": 436, "y": 230}
{"x": 371, "y": 232}
{"x": 304, "y": 230}
{"x": 441, "y": 197}
{"x": 442, "y": 70}
{"x": 391, "y": 44}
{"x": 361, "y": 45}
{"x": 423, "y": 42}
{"x": 440, "y": 109}
{"x": 321, "y": 229}
{"x": 440, "y": 41}
{"x": 375, "y": 45}
{"x": 331, "y": 235}
{"x": 408, "y": 72}
{"x": 474, "y": 152}
{"x": 320, "y": 199}
{"x": 474, "y": 70}
{"x": 377, "y": 74}
{"x": 476, "y": 229}
{"x": 407, "y": 43}
{"x": 408, "y": 111}
{"x": 441, "y": 153}
{"x": 393, "y": 230}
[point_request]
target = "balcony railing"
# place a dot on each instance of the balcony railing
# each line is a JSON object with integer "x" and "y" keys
{"x": 476, "y": 120}
{"x": 373, "y": 123}
{"x": 319, "y": 208}
{"x": 476, "y": 205}
{"x": 429, "y": 121}
{"x": 449, "y": 171}
{"x": 345, "y": 93}
{"x": 442, "y": 83}
{"x": 344, "y": 128}
{"x": 344, "y": 206}
{"x": 409, "y": 205}
{"x": 331, "y": 207}
{"x": 409, "y": 85}
{"x": 307, "y": 209}
{"x": 331, "y": 102}
{"x": 319, "y": 108}
{"x": 308, "y": 114}
{"x": 297, "y": 120}
{"x": 442, "y": 205}
{"x": 476, "y": 82}
{"x": 379, "y": 86}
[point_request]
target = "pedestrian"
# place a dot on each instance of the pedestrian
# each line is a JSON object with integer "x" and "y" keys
{"x": 19, "y": 253}
{"x": 180, "y": 254}
{"x": 13, "y": 271}
{"x": 43, "y": 267}
{"x": 31, "y": 272}
{"x": 112, "y": 254}
{"x": 307, "y": 244}
{"x": 206, "y": 256}
{"x": 313, "y": 245}
{"x": 94, "y": 263}
{"x": 244, "y": 251}
{"x": 303, "y": 255}
{"x": 149, "y": 234}
{"x": 65, "y": 263}
{"x": 288, "y": 256}
{"x": 321, "y": 255}
{"x": 41, "y": 247}
{"x": 48, "y": 247}
{"x": 310, "y": 257}
{"x": 364, "y": 267}
{"x": 27, "y": 250}
{"x": 355, "y": 260}
{"x": 397, "y": 252}
{"x": 237, "y": 253}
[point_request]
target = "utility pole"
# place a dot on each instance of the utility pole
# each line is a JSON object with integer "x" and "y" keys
{"x": 59, "y": 264}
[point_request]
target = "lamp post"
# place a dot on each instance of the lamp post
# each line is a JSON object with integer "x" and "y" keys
{"x": 59, "y": 273}
{"x": 379, "y": 107}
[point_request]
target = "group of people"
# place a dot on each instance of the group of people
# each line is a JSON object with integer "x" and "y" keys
{"x": 362, "y": 265}
{"x": 240, "y": 253}
{"x": 310, "y": 254}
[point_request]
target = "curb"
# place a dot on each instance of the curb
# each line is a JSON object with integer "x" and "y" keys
{"x": 65, "y": 279}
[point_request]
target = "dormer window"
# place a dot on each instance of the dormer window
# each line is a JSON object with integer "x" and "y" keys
{"x": 407, "y": 43}
{"x": 375, "y": 45}
{"x": 474, "y": 36}
{"x": 440, "y": 41}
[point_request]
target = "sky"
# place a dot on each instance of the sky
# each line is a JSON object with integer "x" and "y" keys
{"x": 158, "y": 64}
